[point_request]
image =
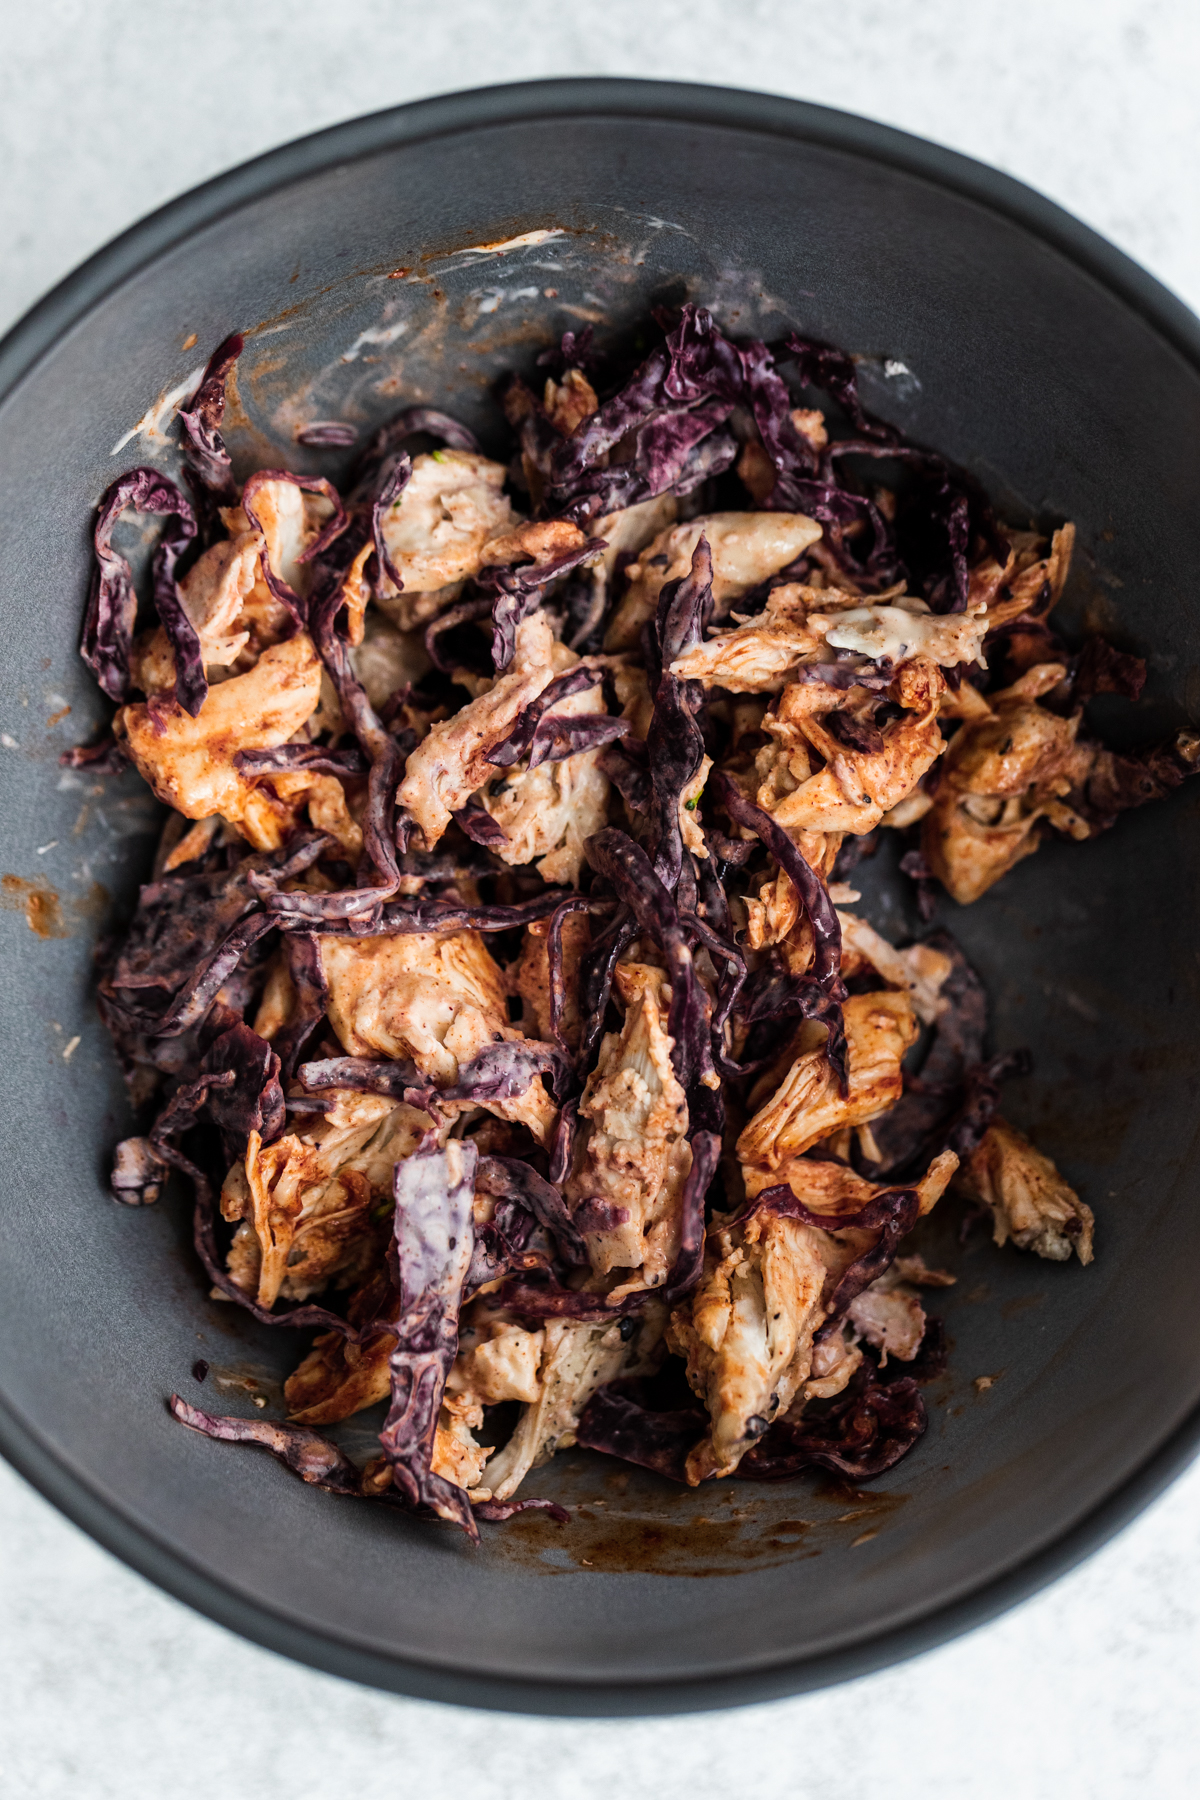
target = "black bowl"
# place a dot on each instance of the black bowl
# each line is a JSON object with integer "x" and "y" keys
{"x": 989, "y": 325}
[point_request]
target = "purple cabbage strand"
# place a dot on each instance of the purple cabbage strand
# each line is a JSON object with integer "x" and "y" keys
{"x": 201, "y": 421}
{"x": 112, "y": 603}
{"x": 430, "y": 1255}
{"x": 824, "y": 989}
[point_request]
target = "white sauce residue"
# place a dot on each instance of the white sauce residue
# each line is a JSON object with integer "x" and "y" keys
{"x": 493, "y": 298}
{"x": 879, "y": 632}
{"x": 528, "y": 240}
{"x": 653, "y": 221}
{"x": 893, "y": 634}
{"x": 378, "y": 334}
{"x": 153, "y": 423}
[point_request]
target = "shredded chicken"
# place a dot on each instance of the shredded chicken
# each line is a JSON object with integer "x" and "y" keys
{"x": 632, "y": 1158}
{"x": 189, "y": 762}
{"x": 1030, "y": 1201}
{"x": 807, "y": 1105}
{"x": 437, "y": 1000}
{"x": 746, "y": 548}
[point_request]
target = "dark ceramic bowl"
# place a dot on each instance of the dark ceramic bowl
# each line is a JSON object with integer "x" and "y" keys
{"x": 991, "y": 326}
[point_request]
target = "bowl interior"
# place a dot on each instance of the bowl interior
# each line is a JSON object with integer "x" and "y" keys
{"x": 375, "y": 282}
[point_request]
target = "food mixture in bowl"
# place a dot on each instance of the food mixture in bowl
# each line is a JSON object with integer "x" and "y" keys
{"x": 498, "y": 985}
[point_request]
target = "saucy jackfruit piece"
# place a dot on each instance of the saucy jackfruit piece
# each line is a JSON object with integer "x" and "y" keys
{"x": 189, "y": 762}
{"x": 303, "y": 1204}
{"x": 852, "y": 788}
{"x": 533, "y": 977}
{"x": 747, "y": 548}
{"x": 632, "y": 1157}
{"x": 450, "y": 764}
{"x": 1030, "y": 1202}
{"x": 577, "y": 1358}
{"x": 805, "y": 625}
{"x": 1002, "y": 775}
{"x": 548, "y": 813}
{"x": 808, "y": 1106}
{"x": 436, "y": 531}
{"x": 437, "y": 1000}
{"x": 747, "y": 1332}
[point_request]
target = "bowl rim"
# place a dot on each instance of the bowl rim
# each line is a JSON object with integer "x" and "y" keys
{"x": 24, "y": 347}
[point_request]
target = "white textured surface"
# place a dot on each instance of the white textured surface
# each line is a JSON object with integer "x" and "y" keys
{"x": 107, "y": 109}
{"x": 113, "y": 1692}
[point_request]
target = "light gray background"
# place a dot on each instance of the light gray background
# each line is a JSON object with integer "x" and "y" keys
{"x": 107, "y": 109}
